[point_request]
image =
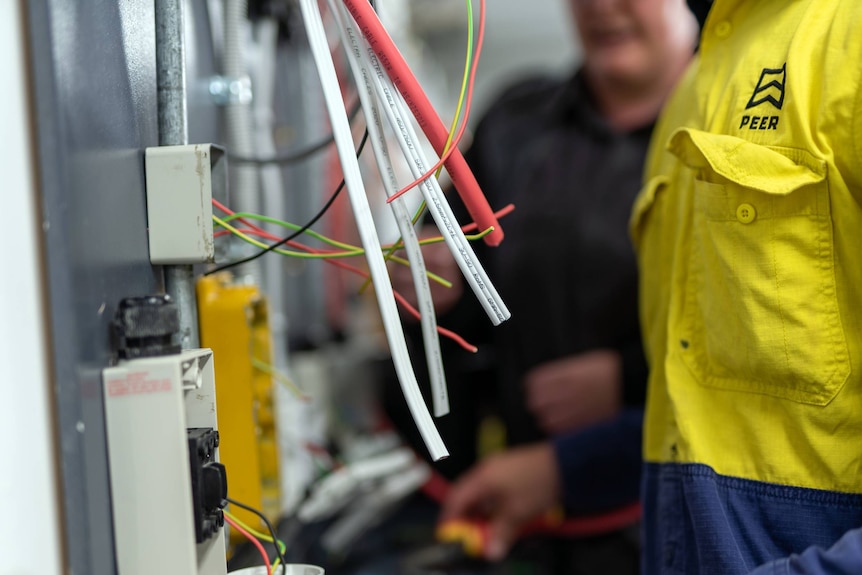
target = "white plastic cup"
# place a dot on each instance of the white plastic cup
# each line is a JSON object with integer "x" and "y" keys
{"x": 292, "y": 569}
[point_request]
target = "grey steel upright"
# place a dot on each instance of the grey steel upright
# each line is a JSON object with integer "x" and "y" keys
{"x": 173, "y": 131}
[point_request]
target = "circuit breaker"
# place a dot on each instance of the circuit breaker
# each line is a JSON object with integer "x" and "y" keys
{"x": 167, "y": 486}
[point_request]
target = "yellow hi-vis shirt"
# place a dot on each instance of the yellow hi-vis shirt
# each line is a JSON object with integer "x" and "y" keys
{"x": 749, "y": 239}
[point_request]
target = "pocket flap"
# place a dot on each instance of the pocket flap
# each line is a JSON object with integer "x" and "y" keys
{"x": 771, "y": 170}
{"x": 643, "y": 203}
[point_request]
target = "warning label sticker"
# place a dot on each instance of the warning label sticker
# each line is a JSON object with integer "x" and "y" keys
{"x": 138, "y": 383}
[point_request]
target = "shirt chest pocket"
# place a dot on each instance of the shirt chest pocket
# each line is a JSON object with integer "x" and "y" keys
{"x": 761, "y": 313}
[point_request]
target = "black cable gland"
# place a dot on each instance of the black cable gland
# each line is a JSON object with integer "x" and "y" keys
{"x": 146, "y": 326}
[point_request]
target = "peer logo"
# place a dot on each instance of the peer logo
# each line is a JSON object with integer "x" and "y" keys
{"x": 772, "y": 81}
{"x": 770, "y": 88}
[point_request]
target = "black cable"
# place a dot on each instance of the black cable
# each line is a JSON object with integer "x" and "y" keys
{"x": 301, "y": 230}
{"x": 272, "y": 532}
{"x": 293, "y": 156}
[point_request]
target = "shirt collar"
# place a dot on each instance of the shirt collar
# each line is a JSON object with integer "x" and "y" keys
{"x": 574, "y": 104}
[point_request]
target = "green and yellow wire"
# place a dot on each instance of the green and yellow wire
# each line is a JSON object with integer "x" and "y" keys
{"x": 290, "y": 253}
{"x": 261, "y": 536}
{"x": 293, "y": 227}
{"x": 468, "y": 62}
{"x": 347, "y": 250}
{"x": 280, "y": 377}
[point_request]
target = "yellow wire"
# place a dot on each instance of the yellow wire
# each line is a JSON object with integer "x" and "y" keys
{"x": 290, "y": 253}
{"x": 458, "y": 109}
{"x": 470, "y": 237}
{"x": 335, "y": 243}
{"x": 343, "y": 254}
{"x": 259, "y": 535}
{"x": 280, "y": 377}
{"x": 464, "y": 81}
{"x": 294, "y": 227}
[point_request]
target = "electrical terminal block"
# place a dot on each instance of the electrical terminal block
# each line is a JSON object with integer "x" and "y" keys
{"x": 209, "y": 483}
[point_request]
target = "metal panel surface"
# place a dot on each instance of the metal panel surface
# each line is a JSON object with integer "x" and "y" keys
{"x": 301, "y": 120}
{"x": 93, "y": 68}
{"x": 204, "y": 116}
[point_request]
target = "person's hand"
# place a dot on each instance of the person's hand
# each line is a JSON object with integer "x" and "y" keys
{"x": 506, "y": 490}
{"x": 573, "y": 392}
{"x": 438, "y": 259}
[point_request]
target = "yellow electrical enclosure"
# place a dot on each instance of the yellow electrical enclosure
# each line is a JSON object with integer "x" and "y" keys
{"x": 234, "y": 323}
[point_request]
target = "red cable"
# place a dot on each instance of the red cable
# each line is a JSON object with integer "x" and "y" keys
{"x": 586, "y": 525}
{"x": 253, "y": 540}
{"x": 437, "y": 488}
{"x": 457, "y": 139}
{"x": 499, "y": 214}
{"x": 403, "y": 78}
{"x": 441, "y": 330}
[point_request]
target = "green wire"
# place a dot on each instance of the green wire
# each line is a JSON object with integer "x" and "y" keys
{"x": 336, "y": 243}
{"x": 280, "y": 377}
{"x": 294, "y": 227}
{"x": 464, "y": 81}
{"x": 290, "y": 253}
{"x": 260, "y": 536}
{"x": 350, "y": 252}
{"x": 468, "y": 61}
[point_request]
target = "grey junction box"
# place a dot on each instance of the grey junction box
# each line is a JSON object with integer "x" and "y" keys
{"x": 181, "y": 183}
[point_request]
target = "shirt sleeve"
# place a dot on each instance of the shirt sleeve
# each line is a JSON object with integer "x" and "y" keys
{"x": 600, "y": 466}
{"x": 843, "y": 558}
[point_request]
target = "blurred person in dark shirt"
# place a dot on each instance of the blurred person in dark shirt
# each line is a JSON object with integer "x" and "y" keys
{"x": 566, "y": 373}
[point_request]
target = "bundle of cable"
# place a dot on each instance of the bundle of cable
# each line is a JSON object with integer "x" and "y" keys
{"x": 373, "y": 57}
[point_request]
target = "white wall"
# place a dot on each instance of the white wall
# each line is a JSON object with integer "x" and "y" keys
{"x": 28, "y": 476}
{"x": 521, "y": 38}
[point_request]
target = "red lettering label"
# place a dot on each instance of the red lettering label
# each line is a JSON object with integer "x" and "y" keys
{"x": 137, "y": 383}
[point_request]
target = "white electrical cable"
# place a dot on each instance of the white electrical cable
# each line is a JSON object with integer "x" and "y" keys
{"x": 475, "y": 274}
{"x": 444, "y": 217}
{"x": 431, "y": 340}
{"x": 462, "y": 251}
{"x": 367, "y": 233}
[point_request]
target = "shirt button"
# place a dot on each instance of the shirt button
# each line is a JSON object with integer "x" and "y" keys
{"x": 746, "y": 213}
{"x": 723, "y": 29}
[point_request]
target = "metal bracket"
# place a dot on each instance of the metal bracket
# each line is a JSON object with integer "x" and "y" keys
{"x": 228, "y": 91}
